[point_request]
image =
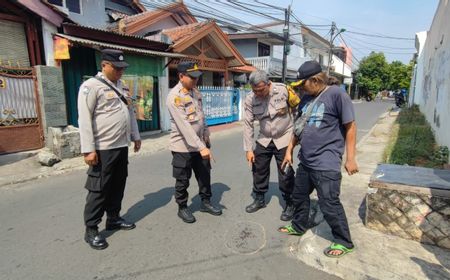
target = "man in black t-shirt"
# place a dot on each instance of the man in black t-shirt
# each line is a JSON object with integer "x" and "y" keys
{"x": 329, "y": 129}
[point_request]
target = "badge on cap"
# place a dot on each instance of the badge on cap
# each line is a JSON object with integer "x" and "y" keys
{"x": 120, "y": 57}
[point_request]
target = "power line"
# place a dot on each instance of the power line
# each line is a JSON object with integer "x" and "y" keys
{"x": 345, "y": 44}
{"x": 380, "y": 36}
{"x": 382, "y": 46}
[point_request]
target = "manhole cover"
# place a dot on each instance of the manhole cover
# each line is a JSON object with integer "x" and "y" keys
{"x": 245, "y": 238}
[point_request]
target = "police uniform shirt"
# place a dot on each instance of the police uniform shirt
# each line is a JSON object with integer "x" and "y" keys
{"x": 188, "y": 126}
{"x": 105, "y": 121}
{"x": 274, "y": 116}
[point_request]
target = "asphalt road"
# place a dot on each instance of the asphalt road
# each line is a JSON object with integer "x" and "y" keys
{"x": 41, "y": 227}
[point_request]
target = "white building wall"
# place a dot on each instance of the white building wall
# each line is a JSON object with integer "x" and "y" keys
{"x": 416, "y": 90}
{"x": 340, "y": 67}
{"x": 433, "y": 94}
{"x": 48, "y": 30}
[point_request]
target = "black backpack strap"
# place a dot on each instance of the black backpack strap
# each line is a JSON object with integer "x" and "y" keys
{"x": 124, "y": 100}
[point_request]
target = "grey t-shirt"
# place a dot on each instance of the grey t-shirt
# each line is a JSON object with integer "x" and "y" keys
{"x": 323, "y": 138}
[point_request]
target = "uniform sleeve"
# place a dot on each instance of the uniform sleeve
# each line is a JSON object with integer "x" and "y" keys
{"x": 87, "y": 99}
{"x": 135, "y": 136}
{"x": 206, "y": 129}
{"x": 206, "y": 132}
{"x": 345, "y": 107}
{"x": 248, "y": 124}
{"x": 183, "y": 126}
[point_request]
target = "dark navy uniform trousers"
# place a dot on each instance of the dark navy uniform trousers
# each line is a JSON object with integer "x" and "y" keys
{"x": 183, "y": 164}
{"x": 261, "y": 170}
{"x": 106, "y": 184}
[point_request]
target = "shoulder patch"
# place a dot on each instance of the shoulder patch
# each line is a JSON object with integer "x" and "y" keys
{"x": 85, "y": 90}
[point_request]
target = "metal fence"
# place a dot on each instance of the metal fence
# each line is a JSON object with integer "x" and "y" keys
{"x": 17, "y": 99}
{"x": 220, "y": 104}
{"x": 20, "y": 123}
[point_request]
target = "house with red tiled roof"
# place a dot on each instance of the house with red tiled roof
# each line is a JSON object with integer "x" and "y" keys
{"x": 203, "y": 42}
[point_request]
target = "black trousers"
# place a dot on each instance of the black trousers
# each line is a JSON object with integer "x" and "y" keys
{"x": 183, "y": 164}
{"x": 106, "y": 184}
{"x": 328, "y": 185}
{"x": 261, "y": 170}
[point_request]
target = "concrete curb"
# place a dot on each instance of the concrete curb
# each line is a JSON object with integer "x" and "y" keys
{"x": 377, "y": 255}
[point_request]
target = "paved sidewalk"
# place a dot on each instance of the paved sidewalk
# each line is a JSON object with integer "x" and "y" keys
{"x": 23, "y": 167}
{"x": 377, "y": 255}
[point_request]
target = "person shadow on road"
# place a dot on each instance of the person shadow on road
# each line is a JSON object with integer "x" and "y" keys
{"x": 144, "y": 207}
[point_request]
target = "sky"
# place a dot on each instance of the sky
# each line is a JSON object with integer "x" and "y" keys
{"x": 395, "y": 18}
{"x": 392, "y": 18}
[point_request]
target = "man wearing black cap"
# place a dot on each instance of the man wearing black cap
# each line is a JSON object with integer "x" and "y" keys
{"x": 329, "y": 127}
{"x": 107, "y": 124}
{"x": 189, "y": 141}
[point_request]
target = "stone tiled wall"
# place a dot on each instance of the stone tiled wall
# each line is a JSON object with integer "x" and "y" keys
{"x": 424, "y": 218}
{"x": 51, "y": 96}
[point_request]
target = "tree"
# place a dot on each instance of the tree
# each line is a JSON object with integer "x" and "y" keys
{"x": 373, "y": 73}
{"x": 399, "y": 75}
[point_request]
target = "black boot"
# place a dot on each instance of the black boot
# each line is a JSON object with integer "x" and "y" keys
{"x": 208, "y": 208}
{"x": 113, "y": 223}
{"x": 186, "y": 215}
{"x": 288, "y": 211}
{"x": 257, "y": 204}
{"x": 94, "y": 239}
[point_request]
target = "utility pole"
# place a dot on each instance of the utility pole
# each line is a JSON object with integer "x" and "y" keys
{"x": 287, "y": 14}
{"x": 330, "y": 51}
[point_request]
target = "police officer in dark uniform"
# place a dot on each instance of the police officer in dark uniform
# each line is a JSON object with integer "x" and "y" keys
{"x": 189, "y": 141}
{"x": 107, "y": 124}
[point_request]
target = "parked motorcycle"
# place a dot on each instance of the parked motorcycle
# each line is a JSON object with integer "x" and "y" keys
{"x": 400, "y": 98}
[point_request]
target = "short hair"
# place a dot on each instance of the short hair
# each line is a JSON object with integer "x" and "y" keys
{"x": 257, "y": 77}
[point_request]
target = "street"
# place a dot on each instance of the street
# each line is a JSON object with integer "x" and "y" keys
{"x": 41, "y": 225}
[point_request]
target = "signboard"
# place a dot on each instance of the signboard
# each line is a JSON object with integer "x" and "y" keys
{"x": 348, "y": 81}
{"x": 61, "y": 46}
{"x": 141, "y": 88}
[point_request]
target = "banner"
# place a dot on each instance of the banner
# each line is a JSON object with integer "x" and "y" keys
{"x": 61, "y": 46}
{"x": 141, "y": 88}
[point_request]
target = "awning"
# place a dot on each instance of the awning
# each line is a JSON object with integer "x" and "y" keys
{"x": 88, "y": 42}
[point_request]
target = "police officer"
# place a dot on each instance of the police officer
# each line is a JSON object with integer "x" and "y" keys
{"x": 270, "y": 104}
{"x": 107, "y": 123}
{"x": 189, "y": 141}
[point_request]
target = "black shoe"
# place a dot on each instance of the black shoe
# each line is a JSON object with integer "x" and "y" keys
{"x": 186, "y": 215}
{"x": 118, "y": 223}
{"x": 288, "y": 212}
{"x": 208, "y": 208}
{"x": 94, "y": 239}
{"x": 257, "y": 204}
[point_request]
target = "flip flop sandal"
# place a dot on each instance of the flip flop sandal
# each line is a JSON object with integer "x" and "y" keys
{"x": 337, "y": 247}
{"x": 290, "y": 230}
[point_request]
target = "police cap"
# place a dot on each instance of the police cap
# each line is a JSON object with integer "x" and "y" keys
{"x": 189, "y": 68}
{"x": 115, "y": 57}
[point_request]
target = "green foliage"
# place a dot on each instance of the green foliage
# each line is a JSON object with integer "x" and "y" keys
{"x": 375, "y": 74}
{"x": 413, "y": 142}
